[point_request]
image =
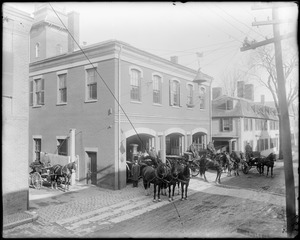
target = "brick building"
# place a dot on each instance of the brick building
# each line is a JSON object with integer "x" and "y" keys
{"x": 15, "y": 109}
{"x": 73, "y": 99}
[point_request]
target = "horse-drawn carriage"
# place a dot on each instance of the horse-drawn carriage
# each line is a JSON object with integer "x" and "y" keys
{"x": 43, "y": 171}
{"x": 252, "y": 161}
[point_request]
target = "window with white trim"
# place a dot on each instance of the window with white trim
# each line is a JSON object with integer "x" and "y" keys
{"x": 157, "y": 84}
{"x": 37, "y": 148}
{"x": 202, "y": 95}
{"x": 91, "y": 84}
{"x": 62, "y": 88}
{"x": 62, "y": 147}
{"x": 190, "y": 95}
{"x": 226, "y": 124}
{"x": 174, "y": 93}
{"x": 36, "y": 92}
{"x": 135, "y": 84}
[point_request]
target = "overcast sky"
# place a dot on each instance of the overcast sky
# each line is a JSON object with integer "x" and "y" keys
{"x": 216, "y": 29}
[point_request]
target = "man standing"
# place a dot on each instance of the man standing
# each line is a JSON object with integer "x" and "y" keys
{"x": 248, "y": 151}
{"x": 135, "y": 172}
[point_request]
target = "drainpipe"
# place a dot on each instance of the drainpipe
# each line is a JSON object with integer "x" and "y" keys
{"x": 119, "y": 116}
{"x": 72, "y": 151}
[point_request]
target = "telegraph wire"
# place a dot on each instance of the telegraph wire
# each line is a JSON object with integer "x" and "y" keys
{"x": 100, "y": 77}
{"x": 215, "y": 25}
{"x": 240, "y": 21}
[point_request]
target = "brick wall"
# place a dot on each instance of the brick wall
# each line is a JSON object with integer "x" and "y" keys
{"x": 15, "y": 110}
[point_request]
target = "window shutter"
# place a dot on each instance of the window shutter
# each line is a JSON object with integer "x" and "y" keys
{"x": 170, "y": 93}
{"x": 140, "y": 88}
{"x": 180, "y": 95}
{"x": 221, "y": 124}
{"x": 42, "y": 91}
{"x": 230, "y": 124}
{"x": 160, "y": 90}
{"x": 31, "y": 93}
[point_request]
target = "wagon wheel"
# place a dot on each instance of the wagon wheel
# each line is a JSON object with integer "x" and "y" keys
{"x": 36, "y": 180}
{"x": 195, "y": 169}
{"x": 245, "y": 168}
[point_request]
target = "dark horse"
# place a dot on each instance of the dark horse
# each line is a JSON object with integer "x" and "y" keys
{"x": 268, "y": 162}
{"x": 184, "y": 179}
{"x": 154, "y": 176}
{"x": 218, "y": 163}
{"x": 171, "y": 178}
{"x": 59, "y": 171}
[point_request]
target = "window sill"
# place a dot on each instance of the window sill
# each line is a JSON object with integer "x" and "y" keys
{"x": 138, "y": 102}
{"x": 61, "y": 104}
{"x": 37, "y": 106}
{"x": 157, "y": 104}
{"x": 91, "y": 101}
{"x": 175, "y": 106}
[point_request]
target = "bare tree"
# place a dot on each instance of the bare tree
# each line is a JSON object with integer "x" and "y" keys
{"x": 264, "y": 63}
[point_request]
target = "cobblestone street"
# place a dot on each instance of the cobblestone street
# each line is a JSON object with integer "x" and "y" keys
{"x": 89, "y": 211}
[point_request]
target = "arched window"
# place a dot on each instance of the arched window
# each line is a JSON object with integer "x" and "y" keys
{"x": 174, "y": 93}
{"x": 37, "y": 50}
{"x": 202, "y": 94}
{"x": 157, "y": 84}
{"x": 190, "y": 97}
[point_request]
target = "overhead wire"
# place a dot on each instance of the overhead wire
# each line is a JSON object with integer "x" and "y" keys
{"x": 99, "y": 76}
{"x": 185, "y": 7}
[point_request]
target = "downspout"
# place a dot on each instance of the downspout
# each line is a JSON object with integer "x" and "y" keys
{"x": 210, "y": 111}
{"x": 119, "y": 116}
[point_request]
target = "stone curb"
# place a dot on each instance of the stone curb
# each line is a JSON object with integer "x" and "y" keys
{"x": 33, "y": 216}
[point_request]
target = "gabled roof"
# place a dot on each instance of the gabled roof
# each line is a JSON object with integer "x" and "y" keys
{"x": 226, "y": 106}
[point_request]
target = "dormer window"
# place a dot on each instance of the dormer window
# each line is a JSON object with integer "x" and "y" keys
{"x": 229, "y": 104}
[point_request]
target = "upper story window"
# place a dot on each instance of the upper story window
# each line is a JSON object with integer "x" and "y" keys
{"x": 174, "y": 93}
{"x": 190, "y": 95}
{"x": 36, "y": 92}
{"x": 226, "y": 124}
{"x": 135, "y": 83}
{"x": 37, "y": 50}
{"x": 62, "y": 88}
{"x": 58, "y": 49}
{"x": 91, "y": 84}
{"x": 157, "y": 85}
{"x": 202, "y": 95}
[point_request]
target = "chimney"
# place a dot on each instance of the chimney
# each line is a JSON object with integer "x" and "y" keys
{"x": 240, "y": 89}
{"x": 216, "y": 92}
{"x": 249, "y": 93}
{"x": 262, "y": 99}
{"x": 174, "y": 59}
{"x": 73, "y": 26}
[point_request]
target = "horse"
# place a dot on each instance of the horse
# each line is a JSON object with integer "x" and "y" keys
{"x": 65, "y": 171}
{"x": 171, "y": 178}
{"x": 154, "y": 176}
{"x": 236, "y": 160}
{"x": 184, "y": 179}
{"x": 268, "y": 162}
{"x": 218, "y": 163}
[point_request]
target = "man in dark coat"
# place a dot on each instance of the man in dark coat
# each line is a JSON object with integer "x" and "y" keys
{"x": 135, "y": 172}
{"x": 248, "y": 151}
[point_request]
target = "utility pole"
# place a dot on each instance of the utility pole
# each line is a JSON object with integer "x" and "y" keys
{"x": 283, "y": 111}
